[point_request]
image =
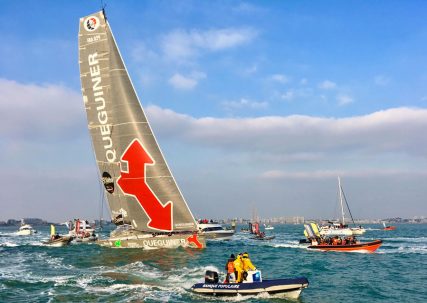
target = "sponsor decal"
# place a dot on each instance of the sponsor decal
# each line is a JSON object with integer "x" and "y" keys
{"x": 101, "y": 112}
{"x": 133, "y": 182}
{"x": 163, "y": 242}
{"x": 223, "y": 286}
{"x": 91, "y": 23}
{"x": 108, "y": 182}
{"x": 193, "y": 239}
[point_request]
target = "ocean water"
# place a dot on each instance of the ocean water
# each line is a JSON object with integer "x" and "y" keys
{"x": 32, "y": 272}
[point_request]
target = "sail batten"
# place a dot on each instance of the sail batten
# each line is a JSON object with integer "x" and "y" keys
{"x": 140, "y": 187}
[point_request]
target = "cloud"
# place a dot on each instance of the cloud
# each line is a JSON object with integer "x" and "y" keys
{"x": 244, "y": 103}
{"x": 182, "y": 45}
{"x": 179, "y": 81}
{"x": 327, "y": 85}
{"x": 289, "y": 95}
{"x": 381, "y": 80}
{"x": 397, "y": 130}
{"x": 33, "y": 112}
{"x": 322, "y": 174}
{"x": 344, "y": 99}
{"x": 280, "y": 78}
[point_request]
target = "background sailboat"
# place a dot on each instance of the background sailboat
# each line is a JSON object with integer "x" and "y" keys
{"x": 144, "y": 199}
{"x": 341, "y": 228}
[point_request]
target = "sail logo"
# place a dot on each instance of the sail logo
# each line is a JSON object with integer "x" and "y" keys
{"x": 133, "y": 182}
{"x": 108, "y": 182}
{"x": 102, "y": 114}
{"x": 91, "y": 23}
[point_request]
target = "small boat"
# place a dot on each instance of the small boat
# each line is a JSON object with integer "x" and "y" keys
{"x": 81, "y": 231}
{"x": 56, "y": 240}
{"x": 144, "y": 199}
{"x": 388, "y": 227}
{"x": 25, "y": 229}
{"x": 261, "y": 236}
{"x": 369, "y": 247}
{"x": 212, "y": 230}
{"x": 335, "y": 243}
{"x": 254, "y": 285}
{"x": 268, "y": 227}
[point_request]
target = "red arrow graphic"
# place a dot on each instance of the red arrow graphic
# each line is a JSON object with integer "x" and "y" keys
{"x": 133, "y": 183}
{"x": 193, "y": 239}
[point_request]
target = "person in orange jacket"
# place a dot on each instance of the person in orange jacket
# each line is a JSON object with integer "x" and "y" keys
{"x": 229, "y": 267}
{"x": 238, "y": 268}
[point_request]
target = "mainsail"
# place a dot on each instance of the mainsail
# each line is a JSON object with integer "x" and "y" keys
{"x": 139, "y": 186}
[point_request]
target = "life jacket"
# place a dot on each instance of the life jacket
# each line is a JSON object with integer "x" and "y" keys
{"x": 238, "y": 264}
{"x": 230, "y": 267}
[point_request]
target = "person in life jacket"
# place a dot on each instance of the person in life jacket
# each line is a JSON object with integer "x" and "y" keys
{"x": 247, "y": 264}
{"x": 229, "y": 267}
{"x": 238, "y": 268}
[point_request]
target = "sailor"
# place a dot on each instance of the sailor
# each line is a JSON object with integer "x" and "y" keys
{"x": 238, "y": 268}
{"x": 247, "y": 263}
{"x": 229, "y": 267}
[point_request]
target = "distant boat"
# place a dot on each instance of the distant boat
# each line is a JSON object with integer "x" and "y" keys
{"x": 81, "y": 231}
{"x": 212, "y": 230}
{"x": 145, "y": 202}
{"x": 268, "y": 227}
{"x": 388, "y": 227}
{"x": 25, "y": 229}
{"x": 341, "y": 228}
{"x": 56, "y": 240}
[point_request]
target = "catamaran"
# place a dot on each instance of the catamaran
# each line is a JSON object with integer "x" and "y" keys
{"x": 340, "y": 228}
{"x": 144, "y": 200}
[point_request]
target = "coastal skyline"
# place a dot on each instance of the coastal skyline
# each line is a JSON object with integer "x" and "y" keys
{"x": 256, "y": 105}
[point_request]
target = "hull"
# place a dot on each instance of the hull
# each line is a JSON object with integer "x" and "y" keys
{"x": 148, "y": 241}
{"x": 284, "y": 288}
{"x": 265, "y": 238}
{"x": 220, "y": 235}
{"x": 358, "y": 231}
{"x": 369, "y": 247}
{"x": 25, "y": 232}
{"x": 86, "y": 239}
{"x": 336, "y": 232}
{"x": 389, "y": 228}
{"x": 59, "y": 242}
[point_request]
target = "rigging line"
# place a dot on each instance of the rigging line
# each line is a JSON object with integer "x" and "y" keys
{"x": 348, "y": 207}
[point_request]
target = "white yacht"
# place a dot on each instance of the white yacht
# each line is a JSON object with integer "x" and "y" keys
{"x": 214, "y": 230}
{"x": 25, "y": 229}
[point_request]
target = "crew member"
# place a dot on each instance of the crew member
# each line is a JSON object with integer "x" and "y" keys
{"x": 238, "y": 268}
{"x": 247, "y": 263}
{"x": 229, "y": 267}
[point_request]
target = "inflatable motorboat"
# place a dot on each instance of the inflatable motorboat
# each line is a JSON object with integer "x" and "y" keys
{"x": 369, "y": 247}
{"x": 58, "y": 242}
{"x": 253, "y": 285}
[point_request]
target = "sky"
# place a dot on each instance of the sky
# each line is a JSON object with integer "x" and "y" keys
{"x": 257, "y": 105}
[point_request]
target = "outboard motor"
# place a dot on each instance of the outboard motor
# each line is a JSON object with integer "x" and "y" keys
{"x": 211, "y": 277}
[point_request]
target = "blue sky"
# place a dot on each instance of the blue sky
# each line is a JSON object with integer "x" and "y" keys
{"x": 256, "y": 104}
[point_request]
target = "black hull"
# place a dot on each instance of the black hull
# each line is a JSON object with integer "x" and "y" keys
{"x": 290, "y": 288}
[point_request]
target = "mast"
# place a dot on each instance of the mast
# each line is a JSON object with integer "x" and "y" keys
{"x": 341, "y": 198}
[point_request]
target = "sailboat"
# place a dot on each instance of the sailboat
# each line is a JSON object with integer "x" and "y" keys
{"x": 144, "y": 200}
{"x": 340, "y": 228}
